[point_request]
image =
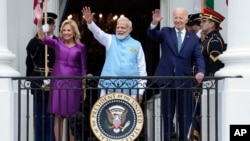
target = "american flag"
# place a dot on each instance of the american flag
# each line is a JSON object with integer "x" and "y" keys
{"x": 38, "y": 1}
{"x": 34, "y": 5}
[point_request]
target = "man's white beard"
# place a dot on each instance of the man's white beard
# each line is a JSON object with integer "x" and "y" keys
{"x": 120, "y": 37}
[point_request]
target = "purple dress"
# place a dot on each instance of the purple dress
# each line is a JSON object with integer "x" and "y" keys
{"x": 65, "y": 94}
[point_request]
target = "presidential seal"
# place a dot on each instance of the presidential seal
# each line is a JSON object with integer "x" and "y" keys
{"x": 116, "y": 117}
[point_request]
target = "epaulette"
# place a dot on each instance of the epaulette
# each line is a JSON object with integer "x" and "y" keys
{"x": 220, "y": 40}
{"x": 215, "y": 37}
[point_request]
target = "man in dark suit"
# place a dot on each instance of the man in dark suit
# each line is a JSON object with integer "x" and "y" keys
{"x": 178, "y": 47}
{"x": 35, "y": 63}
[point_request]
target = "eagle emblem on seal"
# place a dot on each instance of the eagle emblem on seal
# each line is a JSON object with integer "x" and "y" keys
{"x": 117, "y": 118}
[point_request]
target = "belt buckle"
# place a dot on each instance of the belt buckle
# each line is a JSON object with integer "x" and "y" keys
{"x": 46, "y": 87}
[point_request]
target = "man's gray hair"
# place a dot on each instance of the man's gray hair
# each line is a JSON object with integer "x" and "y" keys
{"x": 182, "y": 9}
{"x": 121, "y": 18}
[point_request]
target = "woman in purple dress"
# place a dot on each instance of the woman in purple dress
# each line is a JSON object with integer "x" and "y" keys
{"x": 65, "y": 96}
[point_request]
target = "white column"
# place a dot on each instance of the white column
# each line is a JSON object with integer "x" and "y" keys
{"x": 234, "y": 93}
{"x": 7, "y": 119}
{"x": 237, "y": 56}
{"x": 6, "y": 57}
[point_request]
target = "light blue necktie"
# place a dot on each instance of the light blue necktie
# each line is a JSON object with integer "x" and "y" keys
{"x": 179, "y": 40}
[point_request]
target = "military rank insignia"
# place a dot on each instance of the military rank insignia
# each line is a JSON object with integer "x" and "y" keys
{"x": 116, "y": 117}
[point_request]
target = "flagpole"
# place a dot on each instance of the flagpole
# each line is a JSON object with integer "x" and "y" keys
{"x": 202, "y": 5}
{"x": 46, "y": 47}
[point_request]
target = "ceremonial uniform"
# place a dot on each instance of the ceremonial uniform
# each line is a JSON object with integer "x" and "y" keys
{"x": 35, "y": 63}
{"x": 213, "y": 45}
{"x": 35, "y": 67}
{"x": 194, "y": 21}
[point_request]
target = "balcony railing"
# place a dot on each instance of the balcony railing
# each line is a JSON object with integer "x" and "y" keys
{"x": 204, "y": 105}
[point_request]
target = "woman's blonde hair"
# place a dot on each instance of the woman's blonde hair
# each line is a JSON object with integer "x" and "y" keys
{"x": 75, "y": 28}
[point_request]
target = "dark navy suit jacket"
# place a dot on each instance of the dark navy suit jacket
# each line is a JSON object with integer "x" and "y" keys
{"x": 172, "y": 62}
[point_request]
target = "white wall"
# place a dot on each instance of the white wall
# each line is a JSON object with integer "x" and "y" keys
{"x": 167, "y": 7}
{"x": 221, "y": 7}
{"x": 21, "y": 28}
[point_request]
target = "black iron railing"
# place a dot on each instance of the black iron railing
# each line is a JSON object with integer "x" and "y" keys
{"x": 32, "y": 88}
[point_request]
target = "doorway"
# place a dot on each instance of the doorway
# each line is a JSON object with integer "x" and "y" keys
{"x": 138, "y": 11}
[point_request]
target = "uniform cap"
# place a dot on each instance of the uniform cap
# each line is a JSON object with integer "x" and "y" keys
{"x": 194, "y": 19}
{"x": 50, "y": 18}
{"x": 212, "y": 15}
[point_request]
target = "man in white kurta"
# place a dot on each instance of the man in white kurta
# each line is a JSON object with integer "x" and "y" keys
{"x": 124, "y": 57}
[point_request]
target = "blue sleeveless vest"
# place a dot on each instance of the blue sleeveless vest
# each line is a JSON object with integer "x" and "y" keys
{"x": 121, "y": 60}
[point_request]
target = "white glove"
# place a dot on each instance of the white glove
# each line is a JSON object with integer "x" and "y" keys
{"x": 45, "y": 28}
{"x": 46, "y": 81}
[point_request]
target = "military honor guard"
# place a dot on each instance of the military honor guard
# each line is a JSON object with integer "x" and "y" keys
{"x": 35, "y": 63}
{"x": 213, "y": 45}
{"x": 194, "y": 21}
